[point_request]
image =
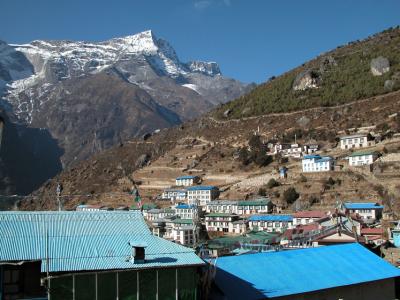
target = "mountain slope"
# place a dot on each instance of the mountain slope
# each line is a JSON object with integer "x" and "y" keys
{"x": 345, "y": 74}
{"x": 90, "y": 96}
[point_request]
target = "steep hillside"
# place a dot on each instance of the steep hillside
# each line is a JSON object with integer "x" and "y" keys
{"x": 207, "y": 147}
{"x": 356, "y": 71}
{"x": 91, "y": 96}
{"x": 210, "y": 147}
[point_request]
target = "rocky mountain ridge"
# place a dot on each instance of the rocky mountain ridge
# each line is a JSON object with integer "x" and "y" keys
{"x": 89, "y": 96}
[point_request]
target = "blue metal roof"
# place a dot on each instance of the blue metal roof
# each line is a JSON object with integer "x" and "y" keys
{"x": 274, "y": 218}
{"x": 276, "y": 274}
{"x": 77, "y": 241}
{"x": 202, "y": 188}
{"x": 363, "y": 205}
{"x": 184, "y": 206}
{"x": 186, "y": 177}
{"x": 315, "y": 156}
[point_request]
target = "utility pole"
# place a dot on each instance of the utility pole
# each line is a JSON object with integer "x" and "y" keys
{"x": 58, "y": 192}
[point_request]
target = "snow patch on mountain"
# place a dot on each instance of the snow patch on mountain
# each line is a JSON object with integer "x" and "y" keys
{"x": 192, "y": 87}
{"x": 28, "y": 71}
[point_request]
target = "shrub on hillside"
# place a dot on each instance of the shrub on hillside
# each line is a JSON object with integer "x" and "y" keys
{"x": 272, "y": 183}
{"x": 290, "y": 195}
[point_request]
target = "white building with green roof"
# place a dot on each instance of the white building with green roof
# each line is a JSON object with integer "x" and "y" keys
{"x": 362, "y": 158}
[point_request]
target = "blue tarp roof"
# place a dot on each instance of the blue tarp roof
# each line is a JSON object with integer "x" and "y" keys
{"x": 362, "y": 205}
{"x": 186, "y": 177}
{"x": 201, "y": 188}
{"x": 274, "y": 218}
{"x": 276, "y": 274}
{"x": 77, "y": 241}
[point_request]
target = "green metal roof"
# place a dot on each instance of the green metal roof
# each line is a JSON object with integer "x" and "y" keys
{"x": 183, "y": 221}
{"x": 254, "y": 202}
{"x": 361, "y": 153}
{"x": 220, "y": 215}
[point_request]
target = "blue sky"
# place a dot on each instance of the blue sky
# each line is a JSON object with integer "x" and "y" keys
{"x": 250, "y": 39}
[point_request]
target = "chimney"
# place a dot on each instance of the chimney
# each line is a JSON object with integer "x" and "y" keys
{"x": 138, "y": 252}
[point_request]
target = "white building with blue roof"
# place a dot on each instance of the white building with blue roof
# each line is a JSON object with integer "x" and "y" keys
{"x": 317, "y": 163}
{"x": 270, "y": 223}
{"x": 368, "y": 211}
{"x": 91, "y": 255}
{"x": 348, "y": 271}
{"x": 202, "y": 194}
{"x": 187, "y": 180}
{"x": 187, "y": 211}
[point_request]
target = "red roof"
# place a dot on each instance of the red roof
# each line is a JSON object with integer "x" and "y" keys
{"x": 372, "y": 231}
{"x": 310, "y": 214}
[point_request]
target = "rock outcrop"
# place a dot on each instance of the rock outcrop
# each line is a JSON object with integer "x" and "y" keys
{"x": 380, "y": 66}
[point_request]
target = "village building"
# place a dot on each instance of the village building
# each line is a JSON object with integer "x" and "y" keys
{"x": 91, "y": 255}
{"x": 307, "y": 217}
{"x": 219, "y": 222}
{"x": 270, "y": 223}
{"x": 362, "y": 158}
{"x": 238, "y": 227}
{"x": 257, "y": 206}
{"x": 355, "y": 141}
{"x": 317, "y": 163}
{"x": 300, "y": 233}
{"x": 369, "y": 212}
{"x": 174, "y": 194}
{"x": 336, "y": 235}
{"x": 310, "y": 148}
{"x": 294, "y": 150}
{"x": 373, "y": 236}
{"x": 187, "y": 180}
{"x": 222, "y": 206}
{"x": 348, "y": 271}
{"x": 350, "y": 223}
{"x": 181, "y": 231}
{"x": 89, "y": 207}
{"x": 158, "y": 213}
{"x": 202, "y": 194}
{"x": 186, "y": 211}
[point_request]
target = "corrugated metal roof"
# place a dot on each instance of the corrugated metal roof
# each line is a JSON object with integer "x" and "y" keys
{"x": 74, "y": 241}
{"x": 257, "y": 202}
{"x": 202, "y": 188}
{"x": 276, "y": 274}
{"x": 363, "y": 205}
{"x": 186, "y": 177}
{"x": 275, "y": 218}
{"x": 362, "y": 153}
{"x": 184, "y": 206}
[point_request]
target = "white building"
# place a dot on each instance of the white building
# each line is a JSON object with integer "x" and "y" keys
{"x": 219, "y": 221}
{"x": 89, "y": 207}
{"x": 181, "y": 231}
{"x": 238, "y": 227}
{"x": 362, "y": 158}
{"x": 240, "y": 207}
{"x": 270, "y": 223}
{"x": 355, "y": 141}
{"x": 295, "y": 150}
{"x": 158, "y": 213}
{"x": 307, "y": 216}
{"x": 201, "y": 195}
{"x": 369, "y": 212}
{"x": 222, "y": 206}
{"x": 310, "y": 148}
{"x": 187, "y": 180}
{"x": 186, "y": 211}
{"x": 317, "y": 163}
{"x": 174, "y": 194}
